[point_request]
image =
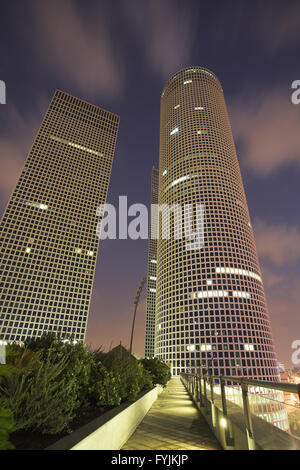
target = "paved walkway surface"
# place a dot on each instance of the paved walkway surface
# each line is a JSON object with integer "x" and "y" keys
{"x": 173, "y": 423}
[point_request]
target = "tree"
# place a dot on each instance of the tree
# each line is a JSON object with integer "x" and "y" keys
{"x": 128, "y": 371}
{"x": 160, "y": 372}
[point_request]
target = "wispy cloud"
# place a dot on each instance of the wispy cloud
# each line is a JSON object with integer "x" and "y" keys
{"x": 165, "y": 31}
{"x": 78, "y": 46}
{"x": 284, "y": 306}
{"x": 279, "y": 25}
{"x": 268, "y": 129}
{"x": 16, "y": 142}
{"x": 278, "y": 244}
{"x": 279, "y": 250}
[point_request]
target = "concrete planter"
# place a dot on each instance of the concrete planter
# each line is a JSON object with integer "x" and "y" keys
{"x": 111, "y": 430}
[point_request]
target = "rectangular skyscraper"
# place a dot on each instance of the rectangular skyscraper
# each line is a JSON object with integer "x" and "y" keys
{"x": 151, "y": 278}
{"x": 48, "y": 235}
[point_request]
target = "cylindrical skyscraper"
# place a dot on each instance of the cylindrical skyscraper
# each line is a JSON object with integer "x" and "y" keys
{"x": 211, "y": 311}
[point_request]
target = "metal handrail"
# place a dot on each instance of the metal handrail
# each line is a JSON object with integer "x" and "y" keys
{"x": 203, "y": 400}
{"x": 281, "y": 386}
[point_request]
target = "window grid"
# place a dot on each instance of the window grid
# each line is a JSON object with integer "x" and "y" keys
{"x": 49, "y": 245}
{"x": 190, "y": 312}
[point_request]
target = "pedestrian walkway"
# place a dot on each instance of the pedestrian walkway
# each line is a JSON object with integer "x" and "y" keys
{"x": 173, "y": 423}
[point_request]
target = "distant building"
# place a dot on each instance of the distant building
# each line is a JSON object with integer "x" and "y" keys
{"x": 49, "y": 245}
{"x": 151, "y": 277}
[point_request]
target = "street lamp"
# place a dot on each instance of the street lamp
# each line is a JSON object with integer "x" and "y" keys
{"x": 135, "y": 303}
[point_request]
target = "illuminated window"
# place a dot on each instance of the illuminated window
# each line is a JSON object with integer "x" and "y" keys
{"x": 165, "y": 172}
{"x": 37, "y": 204}
{"x": 179, "y": 180}
{"x": 242, "y": 272}
{"x": 209, "y": 294}
{"x": 205, "y": 347}
{"x": 177, "y": 106}
{"x": 174, "y": 131}
{"x": 78, "y": 251}
{"x": 244, "y": 295}
{"x": 190, "y": 347}
{"x": 199, "y": 108}
{"x": 249, "y": 347}
{"x": 154, "y": 261}
{"x": 90, "y": 253}
{"x": 77, "y": 146}
{"x": 28, "y": 250}
{"x": 187, "y": 81}
{"x": 153, "y": 278}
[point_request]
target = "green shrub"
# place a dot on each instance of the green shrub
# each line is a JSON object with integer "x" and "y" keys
{"x": 40, "y": 395}
{"x": 94, "y": 385}
{"x": 48, "y": 381}
{"x": 129, "y": 372}
{"x": 159, "y": 371}
{"x": 7, "y": 424}
{"x": 78, "y": 366}
{"x": 103, "y": 387}
{"x": 42, "y": 344}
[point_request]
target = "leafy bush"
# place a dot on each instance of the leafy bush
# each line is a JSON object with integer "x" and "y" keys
{"x": 78, "y": 366}
{"x": 49, "y": 381}
{"x": 40, "y": 394}
{"x": 129, "y": 372}
{"x": 159, "y": 371}
{"x": 94, "y": 385}
{"x": 103, "y": 387}
{"x": 7, "y": 424}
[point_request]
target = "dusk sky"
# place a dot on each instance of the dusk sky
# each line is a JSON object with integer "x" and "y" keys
{"x": 118, "y": 54}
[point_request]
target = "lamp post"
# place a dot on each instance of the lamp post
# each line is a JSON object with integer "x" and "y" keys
{"x": 135, "y": 303}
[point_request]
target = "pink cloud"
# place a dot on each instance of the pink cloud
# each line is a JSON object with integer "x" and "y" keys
{"x": 284, "y": 307}
{"x": 77, "y": 47}
{"x": 279, "y": 248}
{"x": 268, "y": 128}
{"x": 279, "y": 244}
{"x": 271, "y": 277}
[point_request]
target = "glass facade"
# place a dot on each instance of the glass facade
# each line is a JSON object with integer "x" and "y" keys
{"x": 151, "y": 277}
{"x": 49, "y": 245}
{"x": 211, "y": 311}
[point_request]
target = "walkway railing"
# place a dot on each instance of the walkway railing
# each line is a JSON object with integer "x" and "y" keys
{"x": 265, "y": 410}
